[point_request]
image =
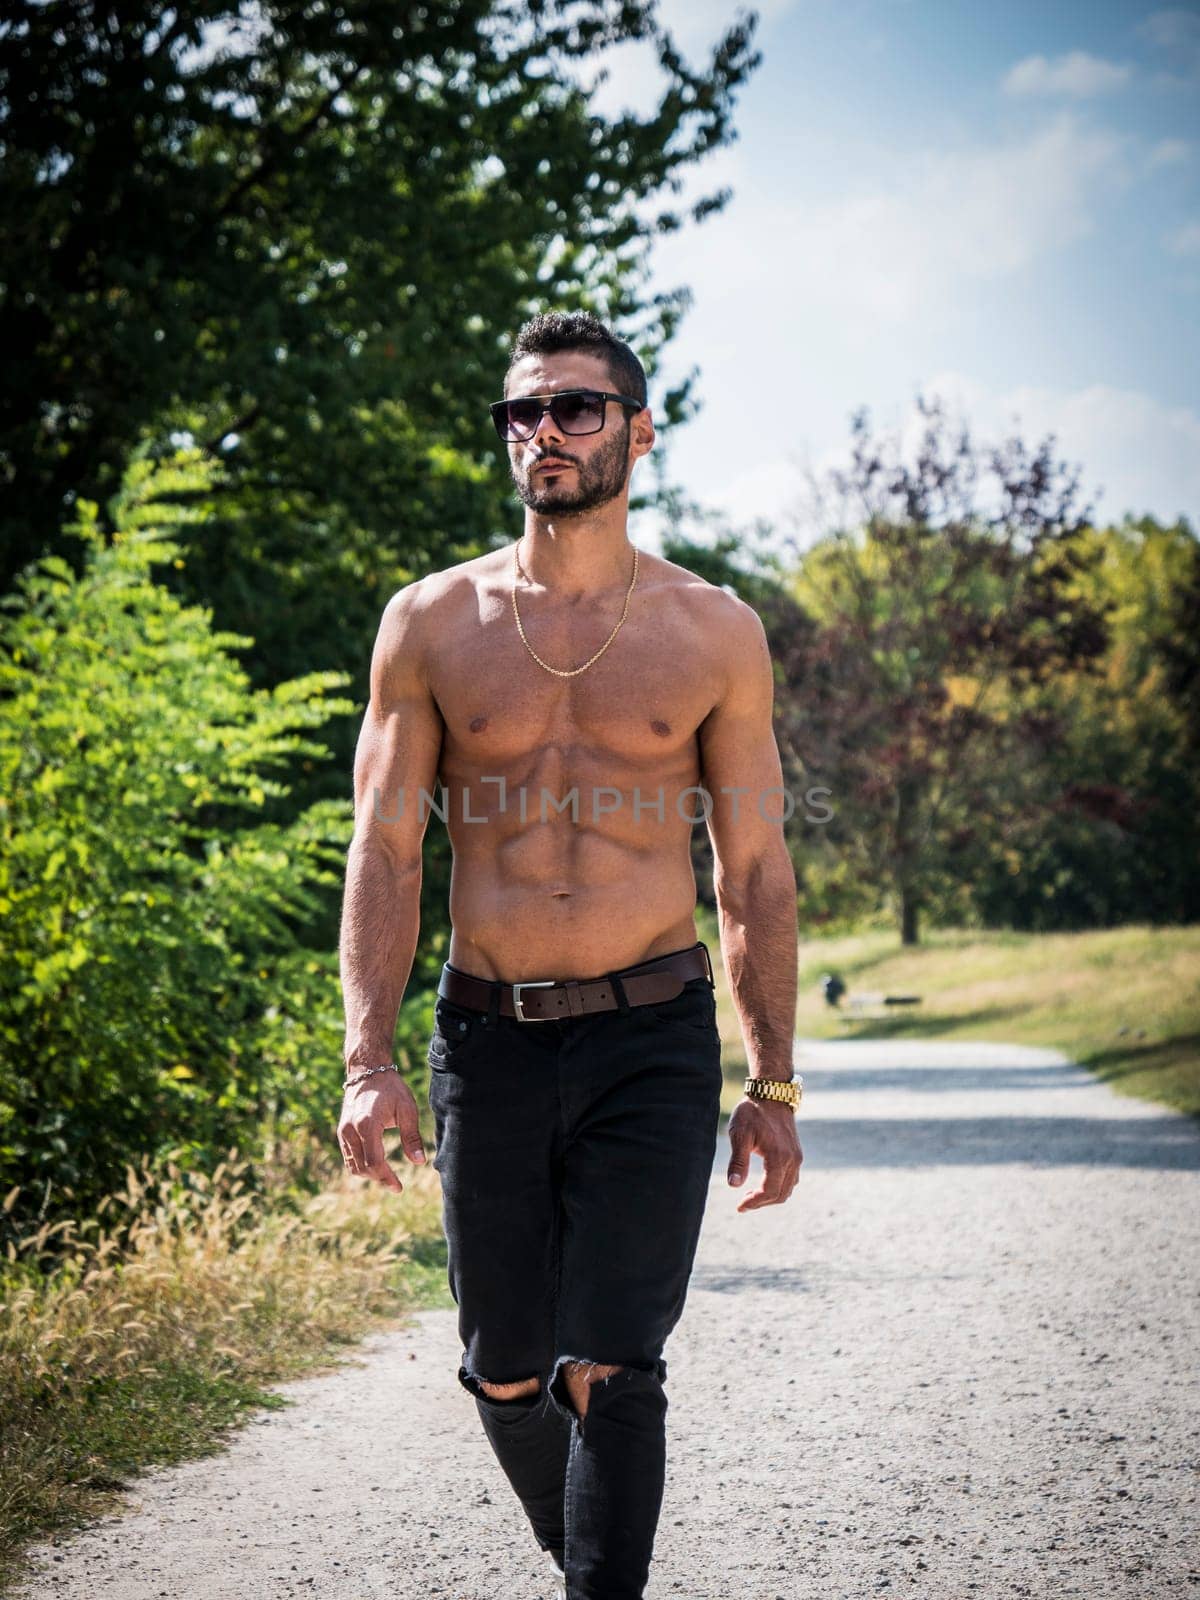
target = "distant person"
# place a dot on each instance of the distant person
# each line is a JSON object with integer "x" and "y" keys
{"x": 581, "y": 701}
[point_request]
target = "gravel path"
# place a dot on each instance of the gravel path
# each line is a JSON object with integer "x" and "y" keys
{"x": 960, "y": 1362}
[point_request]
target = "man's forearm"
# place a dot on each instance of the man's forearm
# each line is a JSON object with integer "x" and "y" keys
{"x": 758, "y": 940}
{"x": 381, "y": 917}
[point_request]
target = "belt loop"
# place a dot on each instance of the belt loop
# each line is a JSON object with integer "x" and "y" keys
{"x": 712, "y": 982}
{"x": 574, "y": 1001}
{"x": 493, "y": 1016}
{"x": 618, "y": 989}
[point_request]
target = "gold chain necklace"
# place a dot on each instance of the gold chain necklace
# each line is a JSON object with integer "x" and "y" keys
{"x": 574, "y": 671}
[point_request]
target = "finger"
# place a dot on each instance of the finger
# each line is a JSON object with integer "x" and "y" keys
{"x": 770, "y": 1189}
{"x": 777, "y": 1185}
{"x": 352, "y": 1152}
{"x": 410, "y": 1136}
{"x": 375, "y": 1161}
{"x": 740, "y": 1146}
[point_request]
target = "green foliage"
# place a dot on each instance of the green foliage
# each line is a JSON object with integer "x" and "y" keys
{"x": 924, "y": 628}
{"x": 304, "y": 233}
{"x": 1116, "y": 841}
{"x": 155, "y": 989}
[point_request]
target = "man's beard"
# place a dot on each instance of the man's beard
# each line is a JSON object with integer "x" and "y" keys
{"x": 598, "y": 480}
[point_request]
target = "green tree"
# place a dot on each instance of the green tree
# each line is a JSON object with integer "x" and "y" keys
{"x": 300, "y": 232}
{"x": 925, "y": 618}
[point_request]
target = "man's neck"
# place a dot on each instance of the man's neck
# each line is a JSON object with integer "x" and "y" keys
{"x": 575, "y": 557}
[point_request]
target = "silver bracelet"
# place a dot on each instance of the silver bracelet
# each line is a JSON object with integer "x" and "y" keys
{"x": 350, "y": 1082}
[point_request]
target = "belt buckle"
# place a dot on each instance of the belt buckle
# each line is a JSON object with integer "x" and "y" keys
{"x": 543, "y": 983}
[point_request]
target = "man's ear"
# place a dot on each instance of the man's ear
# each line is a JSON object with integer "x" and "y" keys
{"x": 642, "y": 433}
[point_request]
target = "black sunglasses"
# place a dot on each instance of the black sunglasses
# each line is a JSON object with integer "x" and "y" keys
{"x": 571, "y": 411}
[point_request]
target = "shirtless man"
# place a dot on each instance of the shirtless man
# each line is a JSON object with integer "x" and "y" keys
{"x": 578, "y": 702}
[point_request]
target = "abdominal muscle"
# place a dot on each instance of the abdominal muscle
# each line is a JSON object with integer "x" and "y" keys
{"x": 559, "y": 898}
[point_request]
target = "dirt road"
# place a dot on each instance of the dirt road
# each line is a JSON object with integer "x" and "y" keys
{"x": 960, "y": 1362}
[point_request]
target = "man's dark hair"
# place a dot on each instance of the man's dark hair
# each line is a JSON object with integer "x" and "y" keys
{"x": 553, "y": 331}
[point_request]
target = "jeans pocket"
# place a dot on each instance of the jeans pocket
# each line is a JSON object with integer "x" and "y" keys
{"x": 454, "y": 1030}
{"x": 694, "y": 1008}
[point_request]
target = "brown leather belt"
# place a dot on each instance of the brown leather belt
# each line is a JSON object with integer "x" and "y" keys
{"x": 547, "y": 1000}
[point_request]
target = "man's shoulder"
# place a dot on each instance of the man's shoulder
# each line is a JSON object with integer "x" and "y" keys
{"x": 416, "y": 599}
{"x": 671, "y": 574}
{"x": 663, "y": 575}
{"x": 714, "y": 604}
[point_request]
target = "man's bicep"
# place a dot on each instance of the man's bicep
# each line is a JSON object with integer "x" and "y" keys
{"x": 400, "y": 741}
{"x": 740, "y": 758}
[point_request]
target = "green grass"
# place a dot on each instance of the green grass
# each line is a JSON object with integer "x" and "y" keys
{"x": 1124, "y": 1002}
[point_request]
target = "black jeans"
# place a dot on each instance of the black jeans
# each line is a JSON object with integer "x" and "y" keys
{"x": 575, "y": 1158}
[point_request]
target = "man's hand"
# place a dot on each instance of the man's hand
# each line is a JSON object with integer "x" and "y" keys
{"x": 770, "y": 1128}
{"x": 369, "y": 1108}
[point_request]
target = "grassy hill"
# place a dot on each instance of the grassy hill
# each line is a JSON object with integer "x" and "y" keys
{"x": 1124, "y": 1002}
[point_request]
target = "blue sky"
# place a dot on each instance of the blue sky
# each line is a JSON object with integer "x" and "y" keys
{"x": 999, "y": 203}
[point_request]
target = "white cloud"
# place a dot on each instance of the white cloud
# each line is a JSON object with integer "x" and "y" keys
{"x": 634, "y": 83}
{"x": 1077, "y": 74}
{"x": 1185, "y": 241}
{"x": 761, "y": 488}
{"x": 933, "y": 225}
{"x": 1169, "y": 153}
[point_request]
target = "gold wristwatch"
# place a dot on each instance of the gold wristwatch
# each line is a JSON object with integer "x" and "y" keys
{"x": 786, "y": 1090}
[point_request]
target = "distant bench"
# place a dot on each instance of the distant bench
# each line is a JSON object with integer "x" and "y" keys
{"x": 876, "y": 1005}
{"x": 833, "y": 988}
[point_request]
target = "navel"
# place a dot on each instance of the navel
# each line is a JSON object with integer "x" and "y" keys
{"x": 478, "y": 724}
{"x": 663, "y": 729}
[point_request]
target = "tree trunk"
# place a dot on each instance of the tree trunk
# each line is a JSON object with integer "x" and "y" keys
{"x": 908, "y": 917}
{"x": 908, "y": 799}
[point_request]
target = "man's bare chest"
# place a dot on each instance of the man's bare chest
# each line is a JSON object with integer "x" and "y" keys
{"x": 641, "y": 702}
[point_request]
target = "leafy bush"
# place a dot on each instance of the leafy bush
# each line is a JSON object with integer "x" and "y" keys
{"x": 155, "y": 989}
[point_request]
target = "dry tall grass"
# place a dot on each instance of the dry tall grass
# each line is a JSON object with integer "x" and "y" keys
{"x": 139, "y": 1335}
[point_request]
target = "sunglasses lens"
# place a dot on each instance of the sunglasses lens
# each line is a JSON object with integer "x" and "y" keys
{"x": 578, "y": 412}
{"x": 521, "y": 418}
